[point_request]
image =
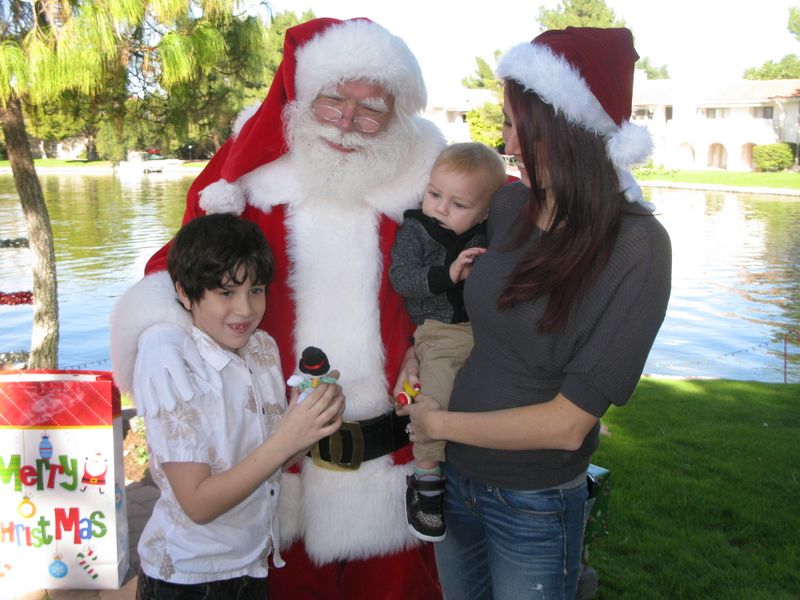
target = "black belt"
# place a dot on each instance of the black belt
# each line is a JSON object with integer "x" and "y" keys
{"x": 357, "y": 441}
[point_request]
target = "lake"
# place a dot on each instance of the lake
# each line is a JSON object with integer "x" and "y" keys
{"x": 735, "y": 288}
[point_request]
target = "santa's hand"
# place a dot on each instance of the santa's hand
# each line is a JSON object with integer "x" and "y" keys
{"x": 168, "y": 366}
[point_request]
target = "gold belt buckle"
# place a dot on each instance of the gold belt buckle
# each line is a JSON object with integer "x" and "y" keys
{"x": 335, "y": 449}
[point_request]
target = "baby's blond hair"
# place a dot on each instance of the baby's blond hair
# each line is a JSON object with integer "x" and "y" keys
{"x": 472, "y": 157}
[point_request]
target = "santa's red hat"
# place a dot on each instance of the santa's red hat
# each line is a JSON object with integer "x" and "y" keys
{"x": 316, "y": 54}
{"x": 585, "y": 73}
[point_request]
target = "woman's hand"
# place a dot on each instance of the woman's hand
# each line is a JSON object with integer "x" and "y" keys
{"x": 423, "y": 413}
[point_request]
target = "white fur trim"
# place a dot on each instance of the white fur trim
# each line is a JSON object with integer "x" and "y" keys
{"x": 556, "y": 81}
{"x": 222, "y": 197}
{"x": 335, "y": 279}
{"x": 355, "y": 50}
{"x": 148, "y": 302}
{"x": 243, "y": 117}
{"x": 355, "y": 515}
{"x": 272, "y": 184}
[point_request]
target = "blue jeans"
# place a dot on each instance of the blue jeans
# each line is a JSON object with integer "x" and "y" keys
{"x": 510, "y": 544}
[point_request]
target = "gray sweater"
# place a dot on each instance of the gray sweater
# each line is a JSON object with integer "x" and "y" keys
{"x": 595, "y": 361}
{"x": 421, "y": 257}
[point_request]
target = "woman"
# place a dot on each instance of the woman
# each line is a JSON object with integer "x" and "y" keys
{"x": 565, "y": 306}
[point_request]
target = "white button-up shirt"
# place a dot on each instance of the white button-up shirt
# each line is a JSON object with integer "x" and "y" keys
{"x": 220, "y": 429}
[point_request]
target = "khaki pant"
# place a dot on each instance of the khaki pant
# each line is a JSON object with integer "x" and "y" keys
{"x": 441, "y": 350}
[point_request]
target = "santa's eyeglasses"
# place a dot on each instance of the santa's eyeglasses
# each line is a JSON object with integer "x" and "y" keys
{"x": 331, "y": 114}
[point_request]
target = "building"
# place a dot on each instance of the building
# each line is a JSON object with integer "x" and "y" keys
{"x": 449, "y": 108}
{"x": 715, "y": 125}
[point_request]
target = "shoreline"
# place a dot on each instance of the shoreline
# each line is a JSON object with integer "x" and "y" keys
{"x": 714, "y": 187}
{"x": 180, "y": 169}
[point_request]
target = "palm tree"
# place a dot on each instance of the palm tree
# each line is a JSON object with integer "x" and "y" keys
{"x": 48, "y": 47}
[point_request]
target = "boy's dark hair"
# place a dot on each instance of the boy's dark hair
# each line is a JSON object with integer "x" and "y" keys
{"x": 211, "y": 250}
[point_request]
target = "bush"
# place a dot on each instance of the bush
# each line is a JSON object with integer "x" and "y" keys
{"x": 773, "y": 157}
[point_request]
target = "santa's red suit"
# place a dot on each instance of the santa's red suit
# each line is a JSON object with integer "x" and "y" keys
{"x": 344, "y": 528}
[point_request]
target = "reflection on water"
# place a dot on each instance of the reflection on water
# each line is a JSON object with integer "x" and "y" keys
{"x": 105, "y": 229}
{"x": 735, "y": 285}
{"x": 735, "y": 293}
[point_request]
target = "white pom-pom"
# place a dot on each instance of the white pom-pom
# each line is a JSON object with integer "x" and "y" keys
{"x": 633, "y": 193}
{"x": 222, "y": 197}
{"x": 629, "y": 145}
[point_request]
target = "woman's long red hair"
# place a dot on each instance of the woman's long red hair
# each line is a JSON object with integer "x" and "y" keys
{"x": 588, "y": 204}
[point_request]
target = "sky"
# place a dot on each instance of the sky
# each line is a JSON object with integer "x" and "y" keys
{"x": 697, "y": 39}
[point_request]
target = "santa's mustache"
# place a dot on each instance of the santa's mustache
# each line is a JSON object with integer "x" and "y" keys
{"x": 345, "y": 139}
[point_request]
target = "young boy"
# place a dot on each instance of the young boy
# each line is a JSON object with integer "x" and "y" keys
{"x": 217, "y": 458}
{"x": 432, "y": 256}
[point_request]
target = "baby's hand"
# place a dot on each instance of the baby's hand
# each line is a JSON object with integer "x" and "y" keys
{"x": 462, "y": 265}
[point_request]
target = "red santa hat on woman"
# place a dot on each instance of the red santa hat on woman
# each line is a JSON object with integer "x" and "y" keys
{"x": 316, "y": 54}
{"x": 586, "y": 74}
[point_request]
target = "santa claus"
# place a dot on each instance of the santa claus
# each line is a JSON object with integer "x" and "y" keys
{"x": 325, "y": 166}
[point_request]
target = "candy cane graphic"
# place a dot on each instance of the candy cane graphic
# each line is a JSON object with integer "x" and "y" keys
{"x": 84, "y": 561}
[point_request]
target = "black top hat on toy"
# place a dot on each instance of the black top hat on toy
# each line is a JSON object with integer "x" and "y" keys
{"x": 314, "y": 362}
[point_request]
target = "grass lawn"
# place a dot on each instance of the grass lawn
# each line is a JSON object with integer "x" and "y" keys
{"x": 783, "y": 180}
{"x": 705, "y": 479}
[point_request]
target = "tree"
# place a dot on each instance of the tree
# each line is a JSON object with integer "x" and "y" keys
{"x": 578, "y": 13}
{"x": 653, "y": 72}
{"x": 49, "y": 47}
{"x": 486, "y": 124}
{"x": 789, "y": 66}
{"x": 484, "y": 77}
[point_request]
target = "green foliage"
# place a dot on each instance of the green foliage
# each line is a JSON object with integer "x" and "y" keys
{"x": 773, "y": 157}
{"x": 13, "y": 68}
{"x": 190, "y": 68}
{"x": 486, "y": 124}
{"x": 794, "y": 22}
{"x": 578, "y": 13}
{"x": 689, "y": 517}
{"x": 652, "y": 71}
{"x": 111, "y": 143}
{"x": 787, "y": 68}
{"x": 484, "y": 77}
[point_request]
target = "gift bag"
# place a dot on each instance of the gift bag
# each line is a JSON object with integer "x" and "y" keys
{"x": 63, "y": 520}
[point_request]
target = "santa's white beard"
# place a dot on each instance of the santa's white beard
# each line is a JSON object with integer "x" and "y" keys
{"x": 343, "y": 177}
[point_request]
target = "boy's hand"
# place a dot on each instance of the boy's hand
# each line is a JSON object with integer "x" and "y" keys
{"x": 462, "y": 265}
{"x": 316, "y": 417}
